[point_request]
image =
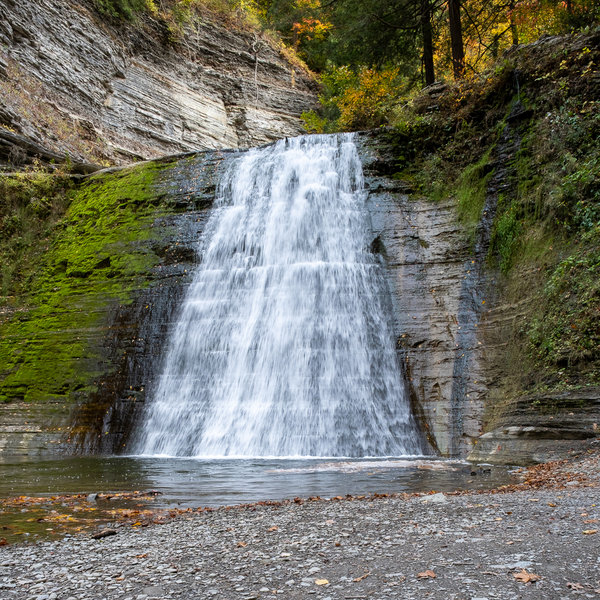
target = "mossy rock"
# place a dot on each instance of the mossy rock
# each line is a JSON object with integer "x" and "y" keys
{"x": 100, "y": 255}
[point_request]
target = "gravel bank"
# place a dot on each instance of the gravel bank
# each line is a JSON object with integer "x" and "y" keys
{"x": 464, "y": 546}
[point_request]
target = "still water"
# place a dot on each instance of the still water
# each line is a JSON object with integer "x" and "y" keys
{"x": 205, "y": 482}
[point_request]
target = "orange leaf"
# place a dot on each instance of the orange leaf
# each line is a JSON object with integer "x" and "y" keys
{"x": 426, "y": 574}
{"x": 574, "y": 586}
{"x": 526, "y": 577}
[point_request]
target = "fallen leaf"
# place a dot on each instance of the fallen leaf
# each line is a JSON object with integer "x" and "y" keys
{"x": 589, "y": 531}
{"x": 426, "y": 574}
{"x": 321, "y": 581}
{"x": 3, "y": 542}
{"x": 241, "y": 544}
{"x": 274, "y": 528}
{"x": 526, "y": 577}
{"x": 357, "y": 579}
{"x": 574, "y": 586}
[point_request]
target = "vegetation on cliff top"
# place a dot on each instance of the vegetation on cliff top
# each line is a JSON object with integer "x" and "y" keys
{"x": 545, "y": 240}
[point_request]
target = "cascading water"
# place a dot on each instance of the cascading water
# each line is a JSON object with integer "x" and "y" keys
{"x": 284, "y": 346}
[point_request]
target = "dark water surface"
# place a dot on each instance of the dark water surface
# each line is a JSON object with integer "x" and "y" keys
{"x": 202, "y": 482}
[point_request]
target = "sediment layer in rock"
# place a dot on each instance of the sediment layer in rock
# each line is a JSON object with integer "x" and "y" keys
{"x": 98, "y": 92}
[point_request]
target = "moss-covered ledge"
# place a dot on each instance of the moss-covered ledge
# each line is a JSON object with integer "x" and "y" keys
{"x": 125, "y": 235}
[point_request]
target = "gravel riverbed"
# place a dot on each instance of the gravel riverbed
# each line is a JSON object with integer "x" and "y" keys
{"x": 441, "y": 546}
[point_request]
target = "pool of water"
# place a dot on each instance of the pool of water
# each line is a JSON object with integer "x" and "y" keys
{"x": 202, "y": 482}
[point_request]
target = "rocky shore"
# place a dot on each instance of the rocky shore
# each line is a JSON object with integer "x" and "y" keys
{"x": 538, "y": 539}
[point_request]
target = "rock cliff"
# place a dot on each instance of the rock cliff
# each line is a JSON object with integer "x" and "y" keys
{"x": 501, "y": 366}
{"x": 80, "y": 350}
{"x": 437, "y": 289}
{"x": 81, "y": 353}
{"x": 108, "y": 93}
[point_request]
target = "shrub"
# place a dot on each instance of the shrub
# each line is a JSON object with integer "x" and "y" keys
{"x": 354, "y": 100}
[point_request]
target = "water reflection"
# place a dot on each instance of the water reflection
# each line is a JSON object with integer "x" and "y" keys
{"x": 191, "y": 482}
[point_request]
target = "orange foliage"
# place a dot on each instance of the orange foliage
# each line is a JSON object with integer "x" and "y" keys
{"x": 369, "y": 101}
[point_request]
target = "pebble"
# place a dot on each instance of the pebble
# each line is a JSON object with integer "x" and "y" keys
{"x": 387, "y": 542}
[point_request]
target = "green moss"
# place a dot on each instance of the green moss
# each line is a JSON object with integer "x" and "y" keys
{"x": 122, "y": 9}
{"x": 505, "y": 234}
{"x": 31, "y": 203}
{"x": 546, "y": 240}
{"x": 98, "y": 257}
{"x": 567, "y": 329}
{"x": 470, "y": 192}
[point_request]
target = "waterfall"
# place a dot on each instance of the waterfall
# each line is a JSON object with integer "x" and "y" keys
{"x": 284, "y": 345}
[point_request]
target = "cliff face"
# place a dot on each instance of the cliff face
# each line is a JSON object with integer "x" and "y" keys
{"x": 435, "y": 285}
{"x": 458, "y": 328}
{"x": 98, "y": 92}
{"x": 79, "y": 351}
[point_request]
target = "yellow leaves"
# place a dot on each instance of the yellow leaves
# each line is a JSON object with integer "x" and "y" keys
{"x": 367, "y": 101}
{"x": 310, "y": 28}
{"x": 525, "y": 577}
{"x": 589, "y": 531}
{"x": 321, "y": 581}
{"x": 308, "y": 4}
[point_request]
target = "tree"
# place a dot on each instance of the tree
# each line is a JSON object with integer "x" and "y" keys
{"x": 456, "y": 39}
{"x": 386, "y": 32}
{"x": 427, "y": 35}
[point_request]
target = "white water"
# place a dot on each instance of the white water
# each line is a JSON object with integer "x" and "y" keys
{"x": 284, "y": 346}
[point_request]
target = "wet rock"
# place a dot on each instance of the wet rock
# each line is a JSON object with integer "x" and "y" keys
{"x": 104, "y": 533}
{"x": 435, "y": 499}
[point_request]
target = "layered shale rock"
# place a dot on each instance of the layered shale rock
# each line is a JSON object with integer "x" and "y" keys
{"x": 79, "y": 352}
{"x": 77, "y": 86}
{"x": 432, "y": 276}
{"x": 455, "y": 327}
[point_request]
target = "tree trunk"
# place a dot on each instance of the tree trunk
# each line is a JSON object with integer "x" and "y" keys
{"x": 427, "y": 33}
{"x": 513, "y": 26}
{"x": 456, "y": 41}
